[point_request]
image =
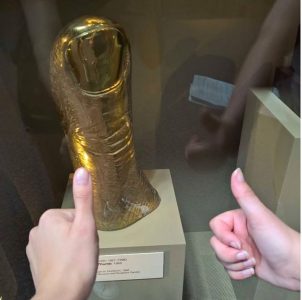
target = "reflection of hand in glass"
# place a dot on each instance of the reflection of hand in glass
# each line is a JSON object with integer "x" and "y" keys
{"x": 63, "y": 248}
{"x": 275, "y": 40}
{"x": 252, "y": 240}
{"x": 224, "y": 137}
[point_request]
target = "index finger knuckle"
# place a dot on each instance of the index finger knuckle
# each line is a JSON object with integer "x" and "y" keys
{"x": 47, "y": 217}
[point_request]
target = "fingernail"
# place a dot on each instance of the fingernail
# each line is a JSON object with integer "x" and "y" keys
{"x": 235, "y": 245}
{"x": 250, "y": 262}
{"x": 248, "y": 272}
{"x": 81, "y": 176}
{"x": 239, "y": 175}
{"x": 242, "y": 255}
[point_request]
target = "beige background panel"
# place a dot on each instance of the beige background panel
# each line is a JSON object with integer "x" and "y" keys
{"x": 212, "y": 9}
{"x": 167, "y": 36}
{"x": 206, "y": 43}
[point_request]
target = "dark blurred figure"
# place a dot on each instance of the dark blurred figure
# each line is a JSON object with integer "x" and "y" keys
{"x": 32, "y": 178}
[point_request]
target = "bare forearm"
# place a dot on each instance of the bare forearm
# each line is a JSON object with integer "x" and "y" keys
{"x": 274, "y": 41}
{"x": 63, "y": 289}
{"x": 257, "y": 70}
{"x": 296, "y": 257}
{"x": 290, "y": 275}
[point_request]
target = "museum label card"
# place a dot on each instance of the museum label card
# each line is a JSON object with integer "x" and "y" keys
{"x": 130, "y": 266}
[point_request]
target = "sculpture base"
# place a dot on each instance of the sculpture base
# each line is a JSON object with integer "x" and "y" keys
{"x": 143, "y": 244}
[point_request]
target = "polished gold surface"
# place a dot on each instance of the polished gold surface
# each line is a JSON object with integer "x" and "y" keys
{"x": 90, "y": 73}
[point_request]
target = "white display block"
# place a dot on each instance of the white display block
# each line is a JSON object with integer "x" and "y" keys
{"x": 269, "y": 154}
{"x": 159, "y": 232}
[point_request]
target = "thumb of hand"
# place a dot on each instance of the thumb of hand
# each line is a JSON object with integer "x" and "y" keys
{"x": 82, "y": 195}
{"x": 253, "y": 208}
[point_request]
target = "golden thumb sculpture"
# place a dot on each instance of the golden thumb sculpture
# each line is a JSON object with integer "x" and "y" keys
{"x": 90, "y": 79}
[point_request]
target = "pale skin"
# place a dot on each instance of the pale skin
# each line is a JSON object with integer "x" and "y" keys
{"x": 252, "y": 240}
{"x": 63, "y": 248}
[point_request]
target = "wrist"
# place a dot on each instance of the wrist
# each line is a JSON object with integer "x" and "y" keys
{"x": 231, "y": 120}
{"x": 58, "y": 294}
{"x": 291, "y": 278}
{"x": 296, "y": 255}
{"x": 49, "y": 294}
{"x": 62, "y": 292}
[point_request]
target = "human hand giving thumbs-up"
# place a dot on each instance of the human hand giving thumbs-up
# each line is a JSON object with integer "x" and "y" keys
{"x": 252, "y": 240}
{"x": 63, "y": 248}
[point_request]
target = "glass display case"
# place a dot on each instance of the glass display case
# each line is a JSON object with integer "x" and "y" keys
{"x": 194, "y": 64}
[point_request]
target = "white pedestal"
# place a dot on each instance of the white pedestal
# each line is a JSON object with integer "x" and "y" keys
{"x": 160, "y": 231}
{"x": 269, "y": 154}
